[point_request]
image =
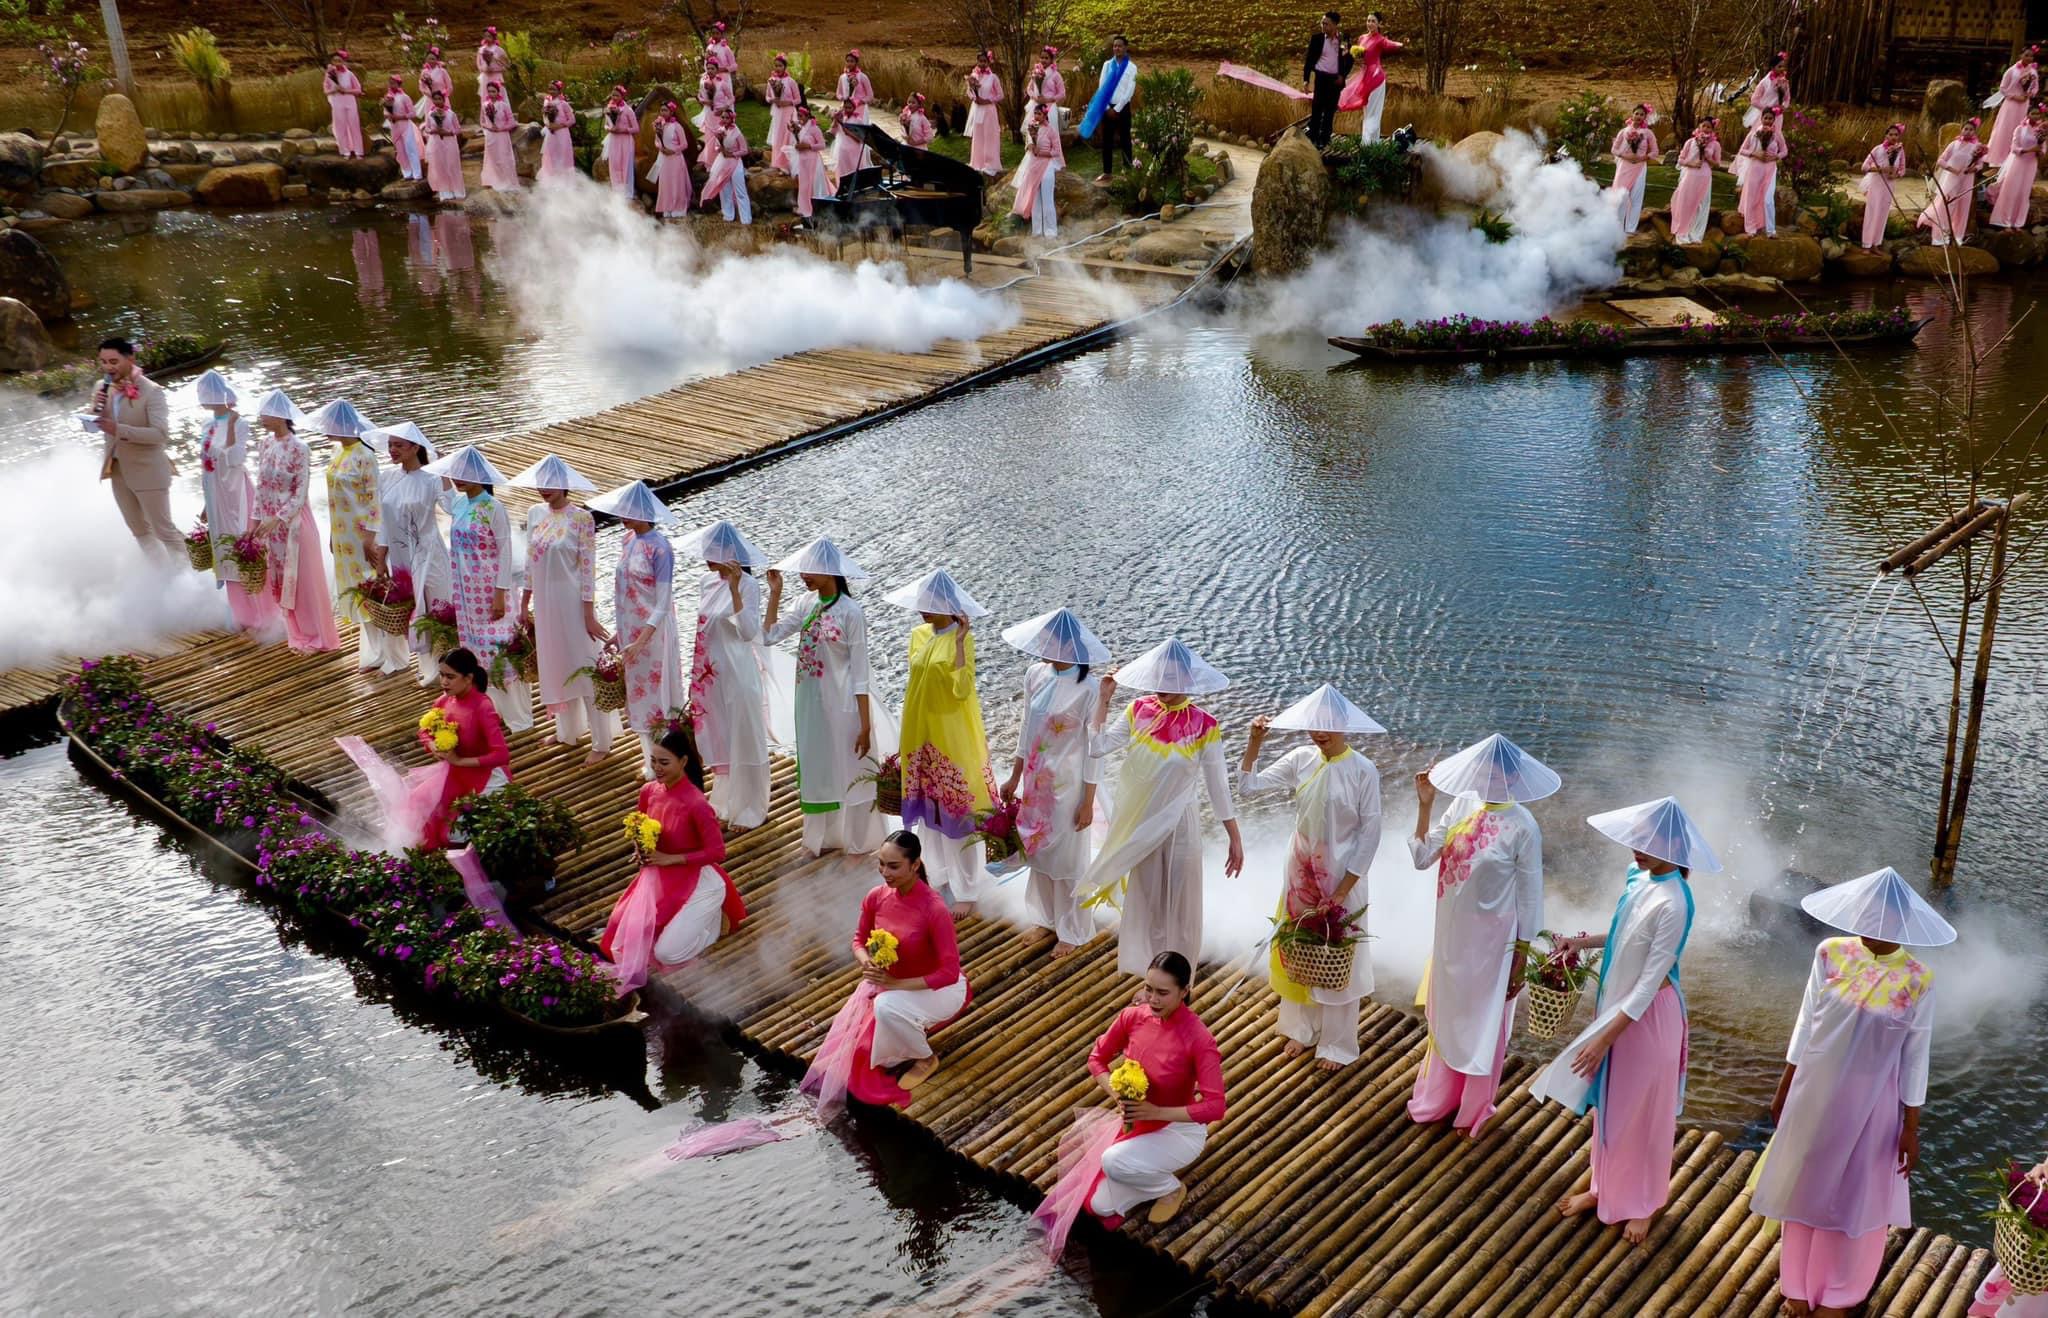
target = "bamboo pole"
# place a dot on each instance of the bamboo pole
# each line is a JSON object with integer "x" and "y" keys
{"x": 1951, "y": 835}
{"x": 1948, "y": 526}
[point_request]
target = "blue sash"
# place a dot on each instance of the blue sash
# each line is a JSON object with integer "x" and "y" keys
{"x": 1638, "y": 884}
{"x": 1111, "y": 80}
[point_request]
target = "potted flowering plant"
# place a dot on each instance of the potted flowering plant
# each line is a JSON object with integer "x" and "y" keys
{"x": 249, "y": 558}
{"x": 1316, "y": 947}
{"x": 386, "y": 601}
{"x": 1555, "y": 979}
{"x": 539, "y": 980}
{"x": 2019, "y": 1228}
{"x": 607, "y": 677}
{"x": 199, "y": 548}
{"x": 517, "y": 837}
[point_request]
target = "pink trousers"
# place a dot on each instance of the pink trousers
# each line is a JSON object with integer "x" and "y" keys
{"x": 1440, "y": 1091}
{"x": 1635, "y": 1128}
{"x": 251, "y": 612}
{"x": 1826, "y": 1268}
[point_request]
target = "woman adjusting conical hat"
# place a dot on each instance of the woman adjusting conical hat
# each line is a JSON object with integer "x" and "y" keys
{"x": 1325, "y": 710}
{"x": 1058, "y": 637}
{"x": 1659, "y": 828}
{"x": 213, "y": 390}
{"x": 1171, "y": 668}
{"x": 937, "y": 592}
{"x": 721, "y": 542}
{"x": 822, "y": 558}
{"x": 1496, "y": 771}
{"x": 1883, "y": 906}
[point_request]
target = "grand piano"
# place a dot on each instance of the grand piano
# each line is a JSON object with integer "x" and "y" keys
{"x": 906, "y": 187}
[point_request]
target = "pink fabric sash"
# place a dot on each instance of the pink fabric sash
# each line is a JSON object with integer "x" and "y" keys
{"x": 1257, "y": 79}
{"x": 477, "y": 885}
{"x": 725, "y": 1137}
{"x": 831, "y": 1072}
{"x": 633, "y": 944}
{"x": 1080, "y": 1167}
{"x": 405, "y": 802}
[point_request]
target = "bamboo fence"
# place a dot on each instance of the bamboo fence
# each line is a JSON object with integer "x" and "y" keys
{"x": 1315, "y": 1196}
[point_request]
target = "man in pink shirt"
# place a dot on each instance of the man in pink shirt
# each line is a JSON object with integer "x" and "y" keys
{"x": 1323, "y": 67}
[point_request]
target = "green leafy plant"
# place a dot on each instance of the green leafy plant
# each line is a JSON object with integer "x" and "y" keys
{"x": 1162, "y": 130}
{"x": 522, "y": 66}
{"x": 541, "y": 979}
{"x": 1559, "y": 969}
{"x": 160, "y": 353}
{"x": 199, "y": 55}
{"x": 1586, "y": 125}
{"x": 106, "y": 169}
{"x": 1496, "y": 228}
{"x": 1813, "y": 164}
{"x": 800, "y": 68}
{"x": 518, "y": 837}
{"x": 1379, "y": 169}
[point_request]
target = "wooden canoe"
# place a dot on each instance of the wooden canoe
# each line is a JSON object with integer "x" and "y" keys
{"x": 1635, "y": 343}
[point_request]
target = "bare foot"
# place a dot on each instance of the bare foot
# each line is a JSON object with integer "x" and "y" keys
{"x": 1797, "y": 1308}
{"x": 1636, "y": 1230}
{"x": 1573, "y": 1205}
{"x": 919, "y": 1072}
{"x": 963, "y": 910}
{"x": 595, "y": 757}
{"x": 1291, "y": 1049}
{"x": 1325, "y": 1064}
{"x": 1060, "y": 950}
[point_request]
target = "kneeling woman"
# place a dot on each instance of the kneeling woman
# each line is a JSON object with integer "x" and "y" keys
{"x": 1165, "y": 1130}
{"x": 479, "y": 749}
{"x": 681, "y": 902}
{"x": 910, "y": 985}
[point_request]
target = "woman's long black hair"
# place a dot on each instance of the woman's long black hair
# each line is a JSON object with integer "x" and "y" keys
{"x": 683, "y": 746}
{"x": 466, "y": 663}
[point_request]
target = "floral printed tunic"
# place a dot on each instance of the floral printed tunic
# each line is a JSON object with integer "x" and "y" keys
{"x": 480, "y": 544}
{"x": 353, "y": 520}
{"x": 281, "y": 475}
{"x": 946, "y": 781}
{"x": 643, "y": 601}
{"x": 1489, "y": 893}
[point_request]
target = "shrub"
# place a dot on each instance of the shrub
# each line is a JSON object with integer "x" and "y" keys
{"x": 1162, "y": 130}
{"x": 199, "y": 55}
{"x": 1496, "y": 228}
{"x": 1379, "y": 169}
{"x": 1586, "y": 125}
{"x": 1813, "y": 161}
{"x": 522, "y": 67}
{"x": 517, "y": 836}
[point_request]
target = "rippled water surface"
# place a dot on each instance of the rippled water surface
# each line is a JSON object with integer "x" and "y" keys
{"x": 1657, "y": 576}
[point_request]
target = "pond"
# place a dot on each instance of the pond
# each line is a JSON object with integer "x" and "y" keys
{"x": 1657, "y": 576}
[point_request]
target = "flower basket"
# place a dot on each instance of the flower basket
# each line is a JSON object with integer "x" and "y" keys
{"x": 997, "y": 831}
{"x": 610, "y": 692}
{"x": 607, "y": 678}
{"x": 250, "y": 562}
{"x": 888, "y": 781}
{"x": 392, "y": 617}
{"x": 1314, "y": 964}
{"x": 2020, "y": 1232}
{"x": 199, "y": 549}
{"x": 1549, "y": 1009}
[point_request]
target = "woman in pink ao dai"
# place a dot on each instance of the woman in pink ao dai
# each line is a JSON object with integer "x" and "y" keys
{"x": 984, "y": 119}
{"x": 341, "y": 87}
{"x": 444, "y": 149}
{"x": 2013, "y": 192}
{"x": 1758, "y": 170}
{"x": 621, "y": 128}
{"x": 557, "y": 143}
{"x": 782, "y": 102}
{"x": 811, "y": 179}
{"x": 1633, "y": 148}
{"x": 671, "y": 171}
{"x": 1038, "y": 175}
{"x": 401, "y": 121}
{"x": 1884, "y": 166}
{"x": 501, "y": 166}
{"x": 1692, "y": 200}
{"x": 1955, "y": 189}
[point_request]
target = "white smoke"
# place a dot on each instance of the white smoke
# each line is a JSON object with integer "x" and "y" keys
{"x": 76, "y": 582}
{"x": 1403, "y": 264}
{"x": 627, "y": 287}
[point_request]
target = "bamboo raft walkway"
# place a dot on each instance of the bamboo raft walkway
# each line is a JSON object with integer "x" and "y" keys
{"x": 1315, "y": 1196}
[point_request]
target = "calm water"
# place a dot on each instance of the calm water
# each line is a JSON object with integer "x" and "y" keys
{"x": 1655, "y": 576}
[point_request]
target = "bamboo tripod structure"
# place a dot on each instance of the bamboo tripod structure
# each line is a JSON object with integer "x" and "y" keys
{"x": 1315, "y": 1196}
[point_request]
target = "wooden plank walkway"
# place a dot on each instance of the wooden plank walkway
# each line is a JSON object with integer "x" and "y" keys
{"x": 1315, "y": 1196}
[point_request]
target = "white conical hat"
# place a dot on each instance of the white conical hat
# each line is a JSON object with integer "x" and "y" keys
{"x": 1173, "y": 668}
{"x": 468, "y": 463}
{"x": 278, "y": 405}
{"x": 551, "y": 473}
{"x": 382, "y": 436}
{"x": 1659, "y": 828}
{"x": 215, "y": 391}
{"x": 632, "y": 502}
{"x": 1495, "y": 770}
{"x": 1883, "y": 906}
{"x": 340, "y": 418}
{"x": 1058, "y": 636}
{"x": 822, "y": 558}
{"x": 1326, "y": 710}
{"x": 937, "y": 592}
{"x": 721, "y": 542}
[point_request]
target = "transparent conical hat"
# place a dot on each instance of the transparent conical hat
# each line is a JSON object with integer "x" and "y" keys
{"x": 382, "y": 436}
{"x": 937, "y": 592}
{"x": 1495, "y": 770}
{"x": 214, "y": 390}
{"x": 632, "y": 502}
{"x": 340, "y": 418}
{"x": 279, "y": 405}
{"x": 1881, "y": 905}
{"x": 822, "y": 558}
{"x": 721, "y": 542}
{"x": 1173, "y": 668}
{"x": 1325, "y": 710}
{"x": 468, "y": 463}
{"x": 1659, "y": 828}
{"x": 1058, "y": 636}
{"x": 551, "y": 473}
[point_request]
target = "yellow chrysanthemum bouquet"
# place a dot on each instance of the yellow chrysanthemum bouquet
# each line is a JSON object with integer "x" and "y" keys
{"x": 643, "y": 832}
{"x": 438, "y": 730}
{"x": 1128, "y": 1083}
{"x": 882, "y": 948}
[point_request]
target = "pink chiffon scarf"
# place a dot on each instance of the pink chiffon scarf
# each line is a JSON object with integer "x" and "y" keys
{"x": 841, "y": 1068}
{"x": 1079, "y": 1168}
{"x": 405, "y": 801}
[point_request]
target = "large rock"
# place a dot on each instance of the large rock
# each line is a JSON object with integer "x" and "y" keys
{"x": 1073, "y": 196}
{"x": 526, "y": 144}
{"x": 1741, "y": 283}
{"x": 771, "y": 191}
{"x": 2013, "y": 247}
{"x": 1703, "y": 255}
{"x": 1861, "y": 263}
{"x": 185, "y": 176}
{"x": 140, "y": 199}
{"x": 21, "y": 161}
{"x": 243, "y": 185}
{"x": 31, "y": 274}
{"x": 1945, "y": 101}
{"x": 1790, "y": 257}
{"x": 1290, "y": 206}
{"x": 406, "y": 189}
{"x": 118, "y": 130}
{"x": 348, "y": 173}
{"x": 71, "y": 174}
{"x": 63, "y": 205}
{"x": 1170, "y": 246}
{"x": 24, "y": 343}
{"x": 1464, "y": 175}
{"x": 1940, "y": 262}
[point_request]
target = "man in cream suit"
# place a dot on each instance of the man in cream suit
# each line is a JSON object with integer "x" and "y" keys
{"x": 135, "y": 423}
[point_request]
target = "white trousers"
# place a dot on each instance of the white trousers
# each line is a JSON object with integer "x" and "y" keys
{"x": 903, "y": 1015}
{"x": 1141, "y": 1168}
{"x": 1374, "y": 105}
{"x": 1695, "y": 224}
{"x": 696, "y": 927}
{"x": 1044, "y": 220}
{"x": 853, "y": 829}
{"x": 735, "y": 197}
{"x": 393, "y": 655}
{"x": 514, "y": 702}
{"x": 577, "y": 717}
{"x": 957, "y": 867}
{"x": 1055, "y": 904}
{"x": 1632, "y": 203}
{"x": 739, "y": 793}
{"x": 1332, "y": 1030}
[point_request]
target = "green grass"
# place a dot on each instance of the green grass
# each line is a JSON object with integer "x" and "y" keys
{"x": 753, "y": 119}
{"x": 1663, "y": 181}
{"x": 954, "y": 147}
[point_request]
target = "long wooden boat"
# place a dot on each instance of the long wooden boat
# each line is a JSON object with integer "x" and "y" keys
{"x": 1636, "y": 343}
{"x": 627, "y": 1018}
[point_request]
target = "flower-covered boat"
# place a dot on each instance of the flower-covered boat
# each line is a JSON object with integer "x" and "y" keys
{"x": 1470, "y": 338}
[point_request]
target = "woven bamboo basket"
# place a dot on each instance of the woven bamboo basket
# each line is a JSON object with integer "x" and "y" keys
{"x": 999, "y": 849}
{"x": 889, "y": 794}
{"x": 609, "y": 692}
{"x": 2024, "y": 1261}
{"x": 201, "y": 553}
{"x": 393, "y": 619}
{"x": 1549, "y": 1009}
{"x": 253, "y": 574}
{"x": 1317, "y": 965}
{"x": 529, "y": 667}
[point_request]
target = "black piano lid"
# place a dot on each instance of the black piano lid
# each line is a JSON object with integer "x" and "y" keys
{"x": 927, "y": 167}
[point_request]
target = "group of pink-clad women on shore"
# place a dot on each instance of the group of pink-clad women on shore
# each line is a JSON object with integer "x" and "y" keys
{"x": 2013, "y": 149}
